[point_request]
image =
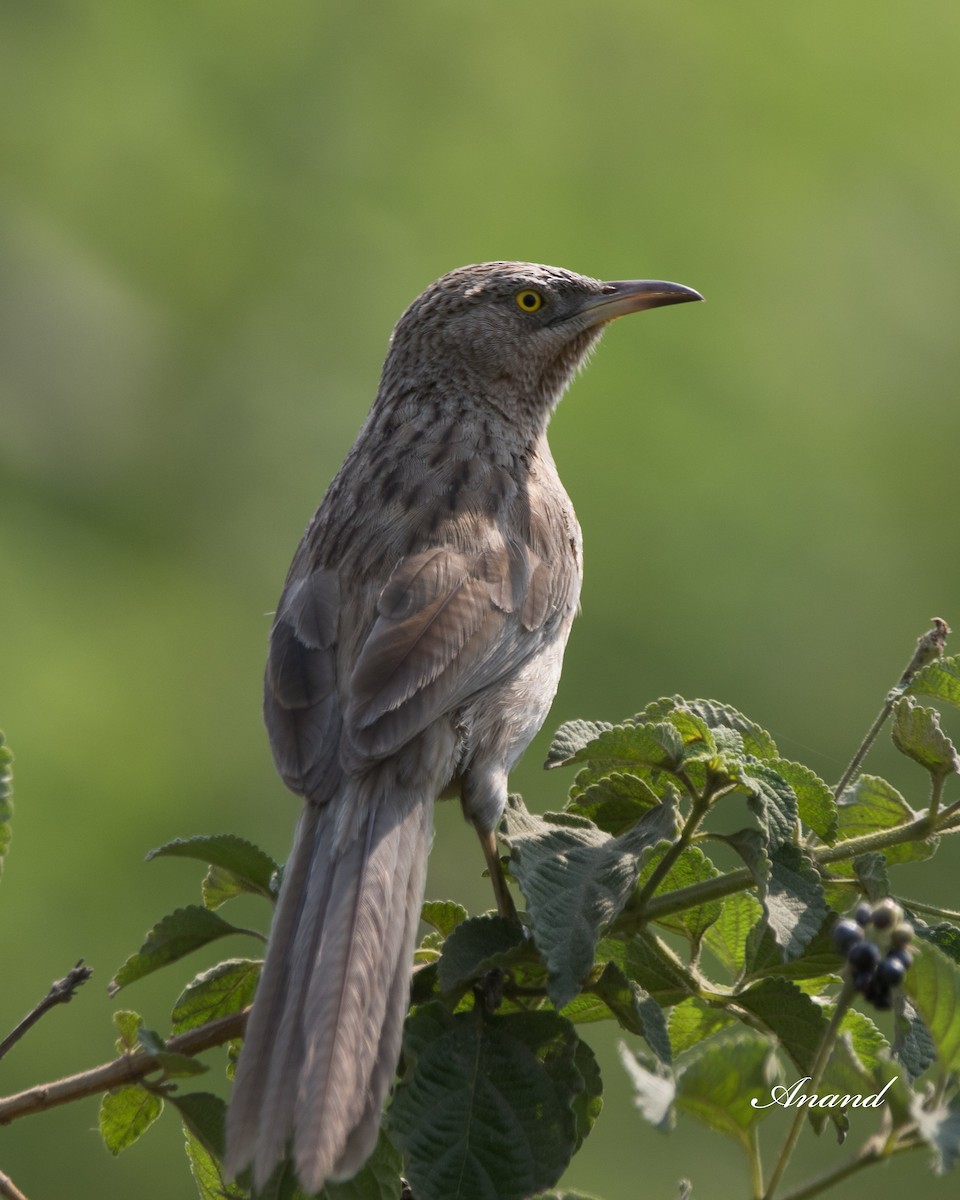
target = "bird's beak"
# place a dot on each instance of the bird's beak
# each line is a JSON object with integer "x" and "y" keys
{"x": 634, "y": 295}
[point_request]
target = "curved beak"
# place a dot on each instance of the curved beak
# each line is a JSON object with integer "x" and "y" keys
{"x": 634, "y": 295}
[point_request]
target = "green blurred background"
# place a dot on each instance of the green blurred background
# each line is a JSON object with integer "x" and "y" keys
{"x": 210, "y": 217}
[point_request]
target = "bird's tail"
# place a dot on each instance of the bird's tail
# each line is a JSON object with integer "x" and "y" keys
{"x": 323, "y": 1039}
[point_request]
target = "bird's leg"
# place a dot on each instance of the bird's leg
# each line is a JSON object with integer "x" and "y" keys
{"x": 505, "y": 905}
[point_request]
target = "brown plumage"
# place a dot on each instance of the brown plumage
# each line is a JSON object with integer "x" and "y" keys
{"x": 415, "y": 652}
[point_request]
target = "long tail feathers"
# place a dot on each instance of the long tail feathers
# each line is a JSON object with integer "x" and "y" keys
{"x": 324, "y": 1036}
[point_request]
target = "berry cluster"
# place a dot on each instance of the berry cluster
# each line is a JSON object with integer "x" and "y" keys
{"x": 873, "y": 973}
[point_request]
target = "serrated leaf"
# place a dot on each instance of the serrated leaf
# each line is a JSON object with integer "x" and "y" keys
{"x": 940, "y": 680}
{"x": 6, "y": 803}
{"x": 478, "y": 945}
{"x": 717, "y": 1080}
{"x": 913, "y": 1046}
{"x": 916, "y": 733}
{"x": 128, "y": 1024}
{"x": 640, "y": 959}
{"x": 177, "y": 934}
{"x": 443, "y": 915}
{"x": 486, "y": 1105}
{"x": 692, "y": 866}
{"x": 238, "y": 865}
{"x": 933, "y": 985}
{"x": 693, "y": 1022}
{"x": 815, "y": 803}
{"x": 727, "y": 936}
{"x": 945, "y": 935}
{"x": 571, "y": 738}
{"x": 656, "y": 746}
{"x": 772, "y": 799}
{"x": 576, "y": 880}
{"x": 126, "y": 1115}
{"x": 208, "y": 1173}
{"x": 820, "y": 957}
{"x": 587, "y": 1103}
{"x": 869, "y": 805}
{"x": 753, "y": 740}
{"x": 614, "y": 802}
{"x": 653, "y": 1091}
{"x": 226, "y": 988}
{"x": 204, "y": 1115}
{"x": 634, "y": 1009}
{"x": 794, "y": 900}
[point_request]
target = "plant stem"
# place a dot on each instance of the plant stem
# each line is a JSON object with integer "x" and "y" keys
{"x": 929, "y": 646}
{"x": 8, "y": 1189}
{"x": 756, "y": 1166}
{"x": 701, "y": 806}
{"x": 816, "y": 1074}
{"x": 869, "y": 1155}
{"x": 60, "y": 992}
{"x": 128, "y": 1068}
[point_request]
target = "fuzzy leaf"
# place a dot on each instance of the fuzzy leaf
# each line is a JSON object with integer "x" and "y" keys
{"x": 635, "y": 1011}
{"x": 869, "y": 805}
{"x": 486, "y": 1106}
{"x": 236, "y": 865}
{"x": 639, "y": 959}
{"x": 225, "y": 988}
{"x": 571, "y": 738}
{"x": 576, "y": 879}
{"x": 614, "y": 802}
{"x": 653, "y": 1091}
{"x": 478, "y": 945}
{"x": 717, "y": 1080}
{"x": 815, "y": 802}
{"x": 753, "y": 740}
{"x": 693, "y": 1022}
{"x": 126, "y": 1115}
{"x": 177, "y": 934}
{"x": 939, "y": 679}
{"x": 727, "y": 936}
{"x": 933, "y": 985}
{"x": 794, "y": 900}
{"x": 692, "y": 866}
{"x": 916, "y": 732}
{"x": 443, "y": 915}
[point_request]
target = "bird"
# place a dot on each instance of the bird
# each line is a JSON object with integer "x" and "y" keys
{"x": 414, "y": 653}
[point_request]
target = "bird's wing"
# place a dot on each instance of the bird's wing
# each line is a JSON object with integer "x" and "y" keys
{"x": 449, "y": 624}
{"x": 301, "y": 704}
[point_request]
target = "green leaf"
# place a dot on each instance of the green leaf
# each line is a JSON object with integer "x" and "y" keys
{"x": 208, "y": 1173}
{"x": 576, "y": 879}
{"x": 226, "y": 988}
{"x": 753, "y": 740}
{"x": 794, "y": 900}
{"x": 177, "y": 934}
{"x": 6, "y": 803}
{"x": 204, "y": 1115}
{"x": 377, "y": 1179}
{"x": 636, "y": 1011}
{"x": 614, "y": 802}
{"x": 917, "y": 734}
{"x": 727, "y": 936}
{"x": 815, "y": 802}
{"x": 587, "y": 1103}
{"x": 717, "y": 1080}
{"x": 820, "y": 957}
{"x": 870, "y": 805}
{"x": 129, "y": 1025}
{"x": 694, "y": 1021}
{"x": 127, "y": 1114}
{"x": 913, "y": 1046}
{"x": 653, "y": 1091}
{"x": 443, "y": 915}
{"x": 571, "y": 738}
{"x": 172, "y": 1064}
{"x": 692, "y": 866}
{"x": 236, "y": 865}
{"x": 486, "y": 1105}
{"x": 638, "y": 748}
{"x": 640, "y": 959}
{"x": 772, "y": 799}
{"x": 476, "y": 946}
{"x": 940, "y": 679}
{"x": 933, "y": 985}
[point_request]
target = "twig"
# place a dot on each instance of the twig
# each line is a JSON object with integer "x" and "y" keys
{"x": 929, "y": 646}
{"x": 129, "y": 1068}
{"x": 60, "y": 992}
{"x": 8, "y": 1189}
{"x": 869, "y": 1155}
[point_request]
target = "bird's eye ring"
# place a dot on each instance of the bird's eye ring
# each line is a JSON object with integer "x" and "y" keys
{"x": 528, "y": 300}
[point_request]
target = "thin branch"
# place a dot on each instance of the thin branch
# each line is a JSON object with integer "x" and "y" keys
{"x": 128, "y": 1068}
{"x": 929, "y": 646}
{"x": 61, "y": 992}
{"x": 8, "y": 1189}
{"x": 869, "y": 1155}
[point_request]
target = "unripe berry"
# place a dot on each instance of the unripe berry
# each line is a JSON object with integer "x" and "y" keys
{"x": 886, "y": 914}
{"x": 902, "y": 935}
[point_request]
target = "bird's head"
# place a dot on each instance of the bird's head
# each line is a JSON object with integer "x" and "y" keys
{"x": 517, "y": 330}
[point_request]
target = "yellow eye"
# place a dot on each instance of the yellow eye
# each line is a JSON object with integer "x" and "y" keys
{"x": 529, "y": 300}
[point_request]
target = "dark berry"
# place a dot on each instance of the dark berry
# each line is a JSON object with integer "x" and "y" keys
{"x": 891, "y": 971}
{"x": 878, "y": 992}
{"x": 862, "y": 980}
{"x": 864, "y": 956}
{"x": 901, "y": 954}
{"x": 886, "y": 914}
{"x": 864, "y": 915}
{"x": 846, "y": 933}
